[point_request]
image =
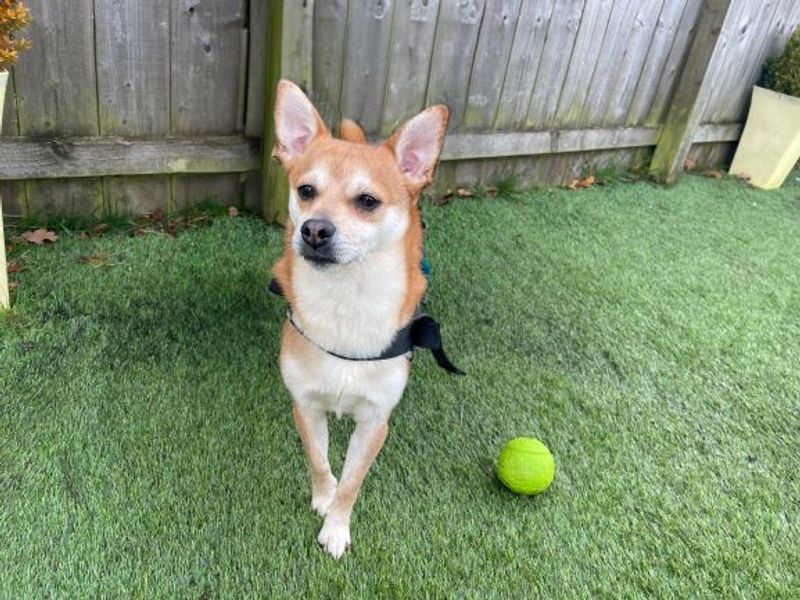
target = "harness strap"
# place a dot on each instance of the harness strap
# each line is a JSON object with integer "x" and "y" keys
{"x": 421, "y": 332}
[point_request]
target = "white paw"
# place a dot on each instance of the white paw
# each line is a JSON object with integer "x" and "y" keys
{"x": 322, "y": 497}
{"x": 335, "y": 538}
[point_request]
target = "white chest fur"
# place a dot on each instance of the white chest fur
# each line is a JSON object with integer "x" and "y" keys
{"x": 352, "y": 310}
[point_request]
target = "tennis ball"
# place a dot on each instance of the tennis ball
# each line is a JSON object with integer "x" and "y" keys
{"x": 525, "y": 466}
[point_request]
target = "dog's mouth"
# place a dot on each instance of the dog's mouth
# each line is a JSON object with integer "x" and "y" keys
{"x": 319, "y": 260}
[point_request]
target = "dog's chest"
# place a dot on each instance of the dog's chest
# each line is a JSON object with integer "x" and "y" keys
{"x": 353, "y": 312}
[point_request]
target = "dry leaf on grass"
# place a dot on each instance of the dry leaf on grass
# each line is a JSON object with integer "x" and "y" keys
{"x": 233, "y": 211}
{"x": 102, "y": 259}
{"x": 40, "y": 236}
{"x": 713, "y": 174}
{"x": 15, "y": 266}
{"x": 12, "y": 285}
{"x": 464, "y": 192}
{"x": 586, "y": 182}
{"x": 689, "y": 163}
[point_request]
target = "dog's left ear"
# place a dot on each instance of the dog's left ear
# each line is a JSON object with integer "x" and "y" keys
{"x": 418, "y": 143}
{"x": 297, "y": 123}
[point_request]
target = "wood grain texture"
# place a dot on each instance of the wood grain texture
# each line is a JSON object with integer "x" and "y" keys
{"x": 12, "y": 193}
{"x": 496, "y": 38}
{"x": 453, "y": 54}
{"x": 552, "y": 71}
{"x": 676, "y": 60}
{"x": 256, "y": 68}
{"x": 205, "y": 86}
{"x": 413, "y": 31}
{"x": 743, "y": 34}
{"x": 330, "y": 28}
{"x": 56, "y": 89}
{"x": 770, "y": 39}
{"x": 523, "y": 63}
{"x": 451, "y": 65}
{"x": 133, "y": 85}
{"x": 663, "y": 39}
{"x": 366, "y": 62}
{"x": 582, "y": 64}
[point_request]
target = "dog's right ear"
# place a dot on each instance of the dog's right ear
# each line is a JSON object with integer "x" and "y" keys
{"x": 297, "y": 123}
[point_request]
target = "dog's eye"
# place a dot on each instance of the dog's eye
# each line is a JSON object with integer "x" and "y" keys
{"x": 367, "y": 202}
{"x": 306, "y": 192}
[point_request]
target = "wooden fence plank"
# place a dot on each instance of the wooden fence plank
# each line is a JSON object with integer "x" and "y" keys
{"x": 205, "y": 86}
{"x": 582, "y": 63}
{"x": 40, "y": 158}
{"x": 495, "y": 40}
{"x": 676, "y": 136}
{"x": 453, "y": 53}
{"x": 663, "y": 39}
{"x": 640, "y": 36}
{"x": 773, "y": 35}
{"x": 523, "y": 63}
{"x": 744, "y": 36}
{"x": 256, "y": 68}
{"x": 330, "y": 27}
{"x": 366, "y": 62}
{"x": 133, "y": 84}
{"x": 413, "y": 30}
{"x": 675, "y": 63}
{"x": 56, "y": 94}
{"x": 559, "y": 47}
{"x": 496, "y": 37}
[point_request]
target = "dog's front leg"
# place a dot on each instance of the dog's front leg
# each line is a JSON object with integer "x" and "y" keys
{"x": 365, "y": 443}
{"x": 312, "y": 425}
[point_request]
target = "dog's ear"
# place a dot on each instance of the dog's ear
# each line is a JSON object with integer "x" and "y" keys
{"x": 351, "y": 131}
{"x": 418, "y": 143}
{"x": 297, "y": 123}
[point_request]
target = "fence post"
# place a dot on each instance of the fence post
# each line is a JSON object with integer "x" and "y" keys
{"x": 289, "y": 55}
{"x": 683, "y": 120}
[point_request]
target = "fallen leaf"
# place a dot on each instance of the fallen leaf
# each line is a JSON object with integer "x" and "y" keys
{"x": 157, "y": 215}
{"x": 102, "y": 259}
{"x": 464, "y": 193}
{"x": 12, "y": 285}
{"x": 689, "y": 163}
{"x": 233, "y": 211}
{"x": 587, "y": 182}
{"x": 713, "y": 174}
{"x": 492, "y": 191}
{"x": 15, "y": 266}
{"x": 40, "y": 236}
{"x": 100, "y": 229}
{"x": 83, "y": 235}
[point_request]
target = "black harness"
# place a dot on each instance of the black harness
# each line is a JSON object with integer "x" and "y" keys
{"x": 421, "y": 332}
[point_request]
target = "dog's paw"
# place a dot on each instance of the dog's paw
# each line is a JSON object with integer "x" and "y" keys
{"x": 335, "y": 538}
{"x": 322, "y": 496}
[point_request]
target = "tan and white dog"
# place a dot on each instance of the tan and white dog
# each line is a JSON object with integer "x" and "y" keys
{"x": 351, "y": 274}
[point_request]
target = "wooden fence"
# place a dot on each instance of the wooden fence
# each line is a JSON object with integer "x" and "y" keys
{"x": 167, "y": 99}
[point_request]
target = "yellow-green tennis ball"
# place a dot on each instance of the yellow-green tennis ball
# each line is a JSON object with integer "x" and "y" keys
{"x": 525, "y": 466}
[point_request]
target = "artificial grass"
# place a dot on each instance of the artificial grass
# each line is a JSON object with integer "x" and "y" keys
{"x": 648, "y": 335}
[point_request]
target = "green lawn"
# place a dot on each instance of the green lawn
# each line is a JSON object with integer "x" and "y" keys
{"x": 650, "y": 336}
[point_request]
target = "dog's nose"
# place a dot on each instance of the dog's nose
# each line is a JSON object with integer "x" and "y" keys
{"x": 317, "y": 232}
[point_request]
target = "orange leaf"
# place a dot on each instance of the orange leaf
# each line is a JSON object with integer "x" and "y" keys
{"x": 40, "y": 236}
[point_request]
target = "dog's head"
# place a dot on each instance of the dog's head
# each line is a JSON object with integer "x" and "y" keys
{"x": 348, "y": 198}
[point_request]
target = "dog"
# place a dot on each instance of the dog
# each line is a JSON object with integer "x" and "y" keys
{"x": 351, "y": 274}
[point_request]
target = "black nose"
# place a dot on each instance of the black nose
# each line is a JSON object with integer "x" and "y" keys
{"x": 317, "y": 232}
